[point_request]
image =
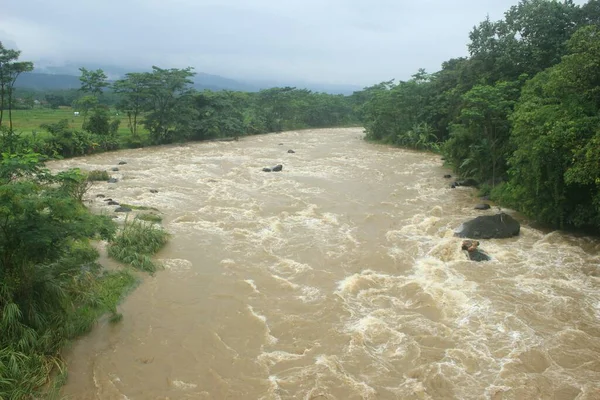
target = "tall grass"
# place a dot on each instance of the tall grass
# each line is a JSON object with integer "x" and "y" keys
{"x": 98, "y": 175}
{"x": 137, "y": 243}
{"x": 26, "y": 364}
{"x": 149, "y": 217}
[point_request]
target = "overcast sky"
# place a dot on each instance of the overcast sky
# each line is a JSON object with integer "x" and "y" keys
{"x": 328, "y": 41}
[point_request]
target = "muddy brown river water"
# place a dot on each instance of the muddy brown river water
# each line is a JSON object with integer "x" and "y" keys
{"x": 337, "y": 278}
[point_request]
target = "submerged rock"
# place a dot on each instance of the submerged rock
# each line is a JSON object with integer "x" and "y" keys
{"x": 290, "y": 151}
{"x": 496, "y": 226}
{"x": 100, "y": 196}
{"x": 153, "y": 191}
{"x": 122, "y": 162}
{"x": 112, "y": 203}
{"x": 123, "y": 209}
{"x": 113, "y": 180}
{"x": 115, "y": 169}
{"x": 447, "y": 176}
{"x": 266, "y": 169}
{"x": 483, "y": 206}
{"x": 473, "y": 251}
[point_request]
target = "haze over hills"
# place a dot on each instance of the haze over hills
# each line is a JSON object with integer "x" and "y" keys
{"x": 48, "y": 76}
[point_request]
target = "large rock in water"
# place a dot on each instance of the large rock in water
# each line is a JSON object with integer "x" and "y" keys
{"x": 497, "y": 226}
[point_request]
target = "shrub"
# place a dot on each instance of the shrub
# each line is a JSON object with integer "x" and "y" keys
{"x": 137, "y": 243}
{"x": 98, "y": 175}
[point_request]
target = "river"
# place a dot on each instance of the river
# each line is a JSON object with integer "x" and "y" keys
{"x": 337, "y": 278}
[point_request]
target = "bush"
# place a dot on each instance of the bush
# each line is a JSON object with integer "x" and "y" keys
{"x": 137, "y": 243}
{"x": 98, "y": 175}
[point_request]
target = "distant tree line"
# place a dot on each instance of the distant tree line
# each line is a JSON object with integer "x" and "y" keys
{"x": 520, "y": 114}
{"x": 162, "y": 107}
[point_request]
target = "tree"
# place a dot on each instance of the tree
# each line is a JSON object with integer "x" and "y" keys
{"x": 10, "y": 69}
{"x": 170, "y": 104}
{"x": 54, "y": 100}
{"x": 93, "y": 82}
{"x": 100, "y": 124}
{"x": 84, "y": 105}
{"x": 134, "y": 98}
{"x": 47, "y": 266}
{"x": 484, "y": 119}
{"x": 555, "y": 169}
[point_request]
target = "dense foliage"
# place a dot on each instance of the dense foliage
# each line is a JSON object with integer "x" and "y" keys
{"x": 51, "y": 288}
{"x": 520, "y": 114}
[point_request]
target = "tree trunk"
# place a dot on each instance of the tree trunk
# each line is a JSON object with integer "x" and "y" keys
{"x": 10, "y": 125}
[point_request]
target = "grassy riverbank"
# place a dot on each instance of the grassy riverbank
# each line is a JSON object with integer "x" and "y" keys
{"x": 52, "y": 288}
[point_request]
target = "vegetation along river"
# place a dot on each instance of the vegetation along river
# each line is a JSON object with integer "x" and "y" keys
{"x": 337, "y": 278}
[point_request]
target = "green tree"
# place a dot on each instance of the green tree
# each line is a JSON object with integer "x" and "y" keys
{"x": 84, "y": 105}
{"x": 46, "y": 266}
{"x": 93, "y": 82}
{"x": 555, "y": 170}
{"x": 170, "y": 108}
{"x": 134, "y": 98}
{"x": 484, "y": 122}
{"x": 10, "y": 69}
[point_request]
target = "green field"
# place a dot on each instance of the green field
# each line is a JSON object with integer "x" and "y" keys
{"x": 30, "y": 121}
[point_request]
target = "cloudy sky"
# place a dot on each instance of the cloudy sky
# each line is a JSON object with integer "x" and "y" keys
{"x": 327, "y": 41}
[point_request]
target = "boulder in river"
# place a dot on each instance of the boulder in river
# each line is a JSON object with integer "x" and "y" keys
{"x": 153, "y": 191}
{"x": 115, "y": 169}
{"x": 113, "y": 180}
{"x": 277, "y": 168}
{"x": 453, "y": 185}
{"x": 112, "y": 203}
{"x": 473, "y": 250}
{"x": 483, "y": 206}
{"x": 122, "y": 162}
{"x": 100, "y": 196}
{"x": 267, "y": 169}
{"x": 448, "y": 176}
{"x": 496, "y": 226}
{"x": 123, "y": 209}
{"x": 290, "y": 151}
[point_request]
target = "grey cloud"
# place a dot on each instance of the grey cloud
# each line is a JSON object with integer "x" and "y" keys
{"x": 335, "y": 41}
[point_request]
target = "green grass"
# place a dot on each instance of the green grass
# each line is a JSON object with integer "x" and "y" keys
{"x": 25, "y": 372}
{"x": 137, "y": 243}
{"x": 140, "y": 208}
{"x": 98, "y": 175}
{"x": 149, "y": 217}
{"x": 28, "y": 122}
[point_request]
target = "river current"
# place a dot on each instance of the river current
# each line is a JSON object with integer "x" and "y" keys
{"x": 337, "y": 278}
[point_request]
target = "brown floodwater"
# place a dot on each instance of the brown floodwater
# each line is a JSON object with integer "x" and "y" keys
{"x": 337, "y": 278}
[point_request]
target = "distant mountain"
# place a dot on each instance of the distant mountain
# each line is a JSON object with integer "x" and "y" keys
{"x": 47, "y": 76}
{"x": 36, "y": 81}
{"x": 331, "y": 88}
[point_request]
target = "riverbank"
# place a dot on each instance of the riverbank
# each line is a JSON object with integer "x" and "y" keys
{"x": 52, "y": 287}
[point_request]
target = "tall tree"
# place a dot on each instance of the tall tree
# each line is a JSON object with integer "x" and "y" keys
{"x": 134, "y": 98}
{"x": 93, "y": 82}
{"x": 170, "y": 110}
{"x": 10, "y": 69}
